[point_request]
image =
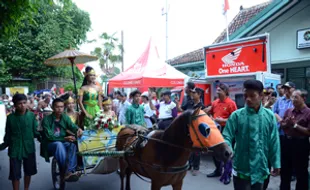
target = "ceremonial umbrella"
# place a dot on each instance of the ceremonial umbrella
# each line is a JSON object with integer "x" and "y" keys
{"x": 70, "y": 57}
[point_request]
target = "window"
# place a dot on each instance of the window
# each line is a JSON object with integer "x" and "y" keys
{"x": 278, "y": 72}
{"x": 301, "y": 78}
{"x": 308, "y": 72}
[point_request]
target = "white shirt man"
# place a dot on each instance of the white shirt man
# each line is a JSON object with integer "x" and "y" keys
{"x": 123, "y": 105}
{"x": 148, "y": 112}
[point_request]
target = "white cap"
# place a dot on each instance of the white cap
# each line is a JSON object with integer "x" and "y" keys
{"x": 146, "y": 94}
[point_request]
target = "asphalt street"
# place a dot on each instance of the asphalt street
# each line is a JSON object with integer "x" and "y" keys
{"x": 43, "y": 180}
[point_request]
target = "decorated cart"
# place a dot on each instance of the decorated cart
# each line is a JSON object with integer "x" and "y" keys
{"x": 96, "y": 150}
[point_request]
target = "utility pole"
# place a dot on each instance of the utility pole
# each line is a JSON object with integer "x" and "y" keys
{"x": 166, "y": 13}
{"x": 122, "y": 50}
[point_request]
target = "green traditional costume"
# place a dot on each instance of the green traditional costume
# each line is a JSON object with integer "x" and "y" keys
{"x": 90, "y": 103}
{"x": 135, "y": 115}
{"x": 257, "y": 143}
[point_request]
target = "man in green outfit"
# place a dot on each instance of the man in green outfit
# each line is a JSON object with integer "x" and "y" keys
{"x": 58, "y": 140}
{"x": 20, "y": 131}
{"x": 135, "y": 112}
{"x": 254, "y": 129}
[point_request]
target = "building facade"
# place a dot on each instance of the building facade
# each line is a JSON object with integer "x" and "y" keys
{"x": 288, "y": 24}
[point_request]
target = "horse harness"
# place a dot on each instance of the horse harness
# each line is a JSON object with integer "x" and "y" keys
{"x": 134, "y": 143}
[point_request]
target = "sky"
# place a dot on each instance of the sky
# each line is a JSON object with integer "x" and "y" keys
{"x": 192, "y": 24}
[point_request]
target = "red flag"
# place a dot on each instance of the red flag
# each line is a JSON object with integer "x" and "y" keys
{"x": 226, "y": 5}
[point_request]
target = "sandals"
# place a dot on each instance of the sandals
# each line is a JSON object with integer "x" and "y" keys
{"x": 72, "y": 177}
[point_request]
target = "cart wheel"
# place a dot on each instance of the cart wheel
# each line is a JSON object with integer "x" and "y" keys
{"x": 58, "y": 183}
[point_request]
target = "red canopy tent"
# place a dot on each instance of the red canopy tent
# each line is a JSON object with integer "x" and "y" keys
{"x": 148, "y": 71}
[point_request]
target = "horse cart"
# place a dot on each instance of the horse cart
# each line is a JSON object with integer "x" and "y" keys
{"x": 160, "y": 156}
{"x": 96, "y": 155}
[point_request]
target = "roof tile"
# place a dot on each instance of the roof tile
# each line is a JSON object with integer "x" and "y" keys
{"x": 240, "y": 19}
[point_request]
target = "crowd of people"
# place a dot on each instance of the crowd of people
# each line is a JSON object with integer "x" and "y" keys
{"x": 271, "y": 132}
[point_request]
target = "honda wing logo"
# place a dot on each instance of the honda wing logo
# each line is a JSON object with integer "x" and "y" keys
{"x": 229, "y": 59}
{"x": 230, "y": 65}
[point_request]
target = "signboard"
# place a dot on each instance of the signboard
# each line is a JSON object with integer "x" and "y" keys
{"x": 15, "y": 90}
{"x": 303, "y": 39}
{"x": 243, "y": 57}
{"x": 10, "y": 91}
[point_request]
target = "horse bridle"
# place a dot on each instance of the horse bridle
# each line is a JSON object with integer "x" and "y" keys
{"x": 192, "y": 118}
{"x": 173, "y": 170}
{"x": 195, "y": 132}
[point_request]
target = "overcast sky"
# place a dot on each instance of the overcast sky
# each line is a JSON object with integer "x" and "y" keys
{"x": 192, "y": 24}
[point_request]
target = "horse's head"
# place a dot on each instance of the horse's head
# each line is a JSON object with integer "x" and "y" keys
{"x": 205, "y": 134}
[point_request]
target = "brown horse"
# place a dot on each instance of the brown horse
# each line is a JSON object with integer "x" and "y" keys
{"x": 163, "y": 159}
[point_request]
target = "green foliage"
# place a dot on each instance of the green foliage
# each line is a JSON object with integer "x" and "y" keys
{"x": 69, "y": 87}
{"x": 14, "y": 12}
{"x": 5, "y": 77}
{"x": 56, "y": 28}
{"x": 109, "y": 54}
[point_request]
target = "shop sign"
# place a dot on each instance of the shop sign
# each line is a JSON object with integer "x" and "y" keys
{"x": 238, "y": 58}
{"x": 132, "y": 82}
{"x": 303, "y": 38}
{"x": 179, "y": 82}
{"x": 15, "y": 90}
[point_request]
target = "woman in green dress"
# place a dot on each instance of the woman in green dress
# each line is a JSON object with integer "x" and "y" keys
{"x": 90, "y": 96}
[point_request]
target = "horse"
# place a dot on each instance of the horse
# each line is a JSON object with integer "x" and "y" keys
{"x": 163, "y": 159}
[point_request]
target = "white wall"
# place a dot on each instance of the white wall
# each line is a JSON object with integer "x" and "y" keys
{"x": 283, "y": 34}
{"x": 2, "y": 122}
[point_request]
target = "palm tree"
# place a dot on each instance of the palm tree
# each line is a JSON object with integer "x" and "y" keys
{"x": 109, "y": 54}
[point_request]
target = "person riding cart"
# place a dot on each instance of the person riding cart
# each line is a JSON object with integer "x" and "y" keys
{"x": 56, "y": 141}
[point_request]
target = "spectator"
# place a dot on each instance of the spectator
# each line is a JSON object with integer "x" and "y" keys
{"x": 194, "y": 160}
{"x": 148, "y": 112}
{"x": 270, "y": 97}
{"x": 135, "y": 112}
{"x": 295, "y": 142}
{"x": 167, "y": 110}
{"x": 187, "y": 102}
{"x": 279, "y": 108}
{"x": 123, "y": 106}
{"x": 280, "y": 90}
{"x": 221, "y": 109}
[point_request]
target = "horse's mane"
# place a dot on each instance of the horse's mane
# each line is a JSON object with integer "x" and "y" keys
{"x": 175, "y": 134}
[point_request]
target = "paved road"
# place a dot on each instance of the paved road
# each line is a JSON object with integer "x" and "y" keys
{"x": 43, "y": 181}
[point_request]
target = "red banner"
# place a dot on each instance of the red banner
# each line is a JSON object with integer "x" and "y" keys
{"x": 238, "y": 58}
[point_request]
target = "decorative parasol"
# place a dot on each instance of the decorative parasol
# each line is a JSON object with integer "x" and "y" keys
{"x": 70, "y": 57}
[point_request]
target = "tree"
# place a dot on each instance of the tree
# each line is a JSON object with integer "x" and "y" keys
{"x": 56, "y": 28}
{"x": 110, "y": 54}
{"x": 5, "y": 77}
{"x": 14, "y": 12}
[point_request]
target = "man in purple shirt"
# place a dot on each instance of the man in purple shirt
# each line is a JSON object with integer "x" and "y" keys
{"x": 295, "y": 143}
{"x": 167, "y": 110}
